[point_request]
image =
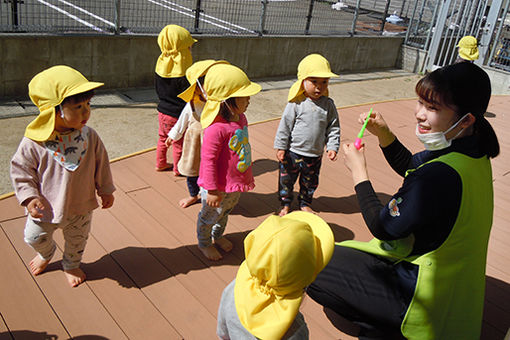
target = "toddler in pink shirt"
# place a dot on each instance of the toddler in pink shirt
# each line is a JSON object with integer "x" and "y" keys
{"x": 225, "y": 167}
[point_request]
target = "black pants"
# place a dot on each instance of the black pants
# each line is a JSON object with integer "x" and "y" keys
{"x": 364, "y": 289}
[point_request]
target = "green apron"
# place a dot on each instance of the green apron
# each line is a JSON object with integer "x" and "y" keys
{"x": 449, "y": 294}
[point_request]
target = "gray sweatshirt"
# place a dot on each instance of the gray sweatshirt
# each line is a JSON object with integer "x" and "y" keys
{"x": 306, "y": 127}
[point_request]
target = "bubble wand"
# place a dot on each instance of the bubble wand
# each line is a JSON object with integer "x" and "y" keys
{"x": 357, "y": 142}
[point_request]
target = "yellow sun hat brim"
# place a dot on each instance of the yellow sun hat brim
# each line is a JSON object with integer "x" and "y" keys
{"x": 47, "y": 90}
{"x": 195, "y": 71}
{"x": 224, "y": 81}
{"x": 313, "y": 65}
{"x": 283, "y": 256}
{"x": 174, "y": 42}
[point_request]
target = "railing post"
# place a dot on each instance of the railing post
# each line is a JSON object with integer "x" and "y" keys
{"x": 355, "y": 19}
{"x": 14, "y": 14}
{"x": 197, "y": 11}
{"x": 385, "y": 14}
{"x": 263, "y": 17}
{"x": 116, "y": 18}
{"x": 309, "y": 17}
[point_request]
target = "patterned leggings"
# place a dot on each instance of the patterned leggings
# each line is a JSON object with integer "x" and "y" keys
{"x": 307, "y": 168}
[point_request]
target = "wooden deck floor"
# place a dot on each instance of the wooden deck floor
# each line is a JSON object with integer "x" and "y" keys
{"x": 146, "y": 278}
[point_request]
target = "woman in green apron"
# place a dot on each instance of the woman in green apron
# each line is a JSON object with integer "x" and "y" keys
{"x": 423, "y": 274}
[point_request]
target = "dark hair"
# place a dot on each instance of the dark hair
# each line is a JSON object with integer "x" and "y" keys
{"x": 464, "y": 88}
{"x": 224, "y": 110}
{"x": 79, "y": 97}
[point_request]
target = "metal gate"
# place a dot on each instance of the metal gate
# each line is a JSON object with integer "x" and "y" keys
{"x": 454, "y": 19}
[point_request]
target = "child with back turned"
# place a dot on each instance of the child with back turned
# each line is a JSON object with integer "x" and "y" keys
{"x": 59, "y": 167}
{"x": 188, "y": 128}
{"x": 309, "y": 122}
{"x": 225, "y": 165}
{"x": 175, "y": 43}
{"x": 283, "y": 256}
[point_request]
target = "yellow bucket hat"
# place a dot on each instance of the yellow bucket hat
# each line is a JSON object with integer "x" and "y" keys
{"x": 194, "y": 72}
{"x": 174, "y": 42}
{"x": 468, "y": 48}
{"x": 47, "y": 90}
{"x": 313, "y": 65}
{"x": 283, "y": 256}
{"x": 221, "y": 82}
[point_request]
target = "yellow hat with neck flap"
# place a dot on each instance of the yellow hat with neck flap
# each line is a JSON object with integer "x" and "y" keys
{"x": 47, "y": 90}
{"x": 195, "y": 71}
{"x": 174, "y": 42}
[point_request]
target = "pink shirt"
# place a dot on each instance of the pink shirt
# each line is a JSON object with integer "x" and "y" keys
{"x": 34, "y": 172}
{"x": 226, "y": 157}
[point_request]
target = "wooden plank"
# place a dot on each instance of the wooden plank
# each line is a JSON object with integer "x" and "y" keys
{"x": 23, "y": 306}
{"x": 78, "y": 308}
{"x": 125, "y": 179}
{"x": 10, "y": 209}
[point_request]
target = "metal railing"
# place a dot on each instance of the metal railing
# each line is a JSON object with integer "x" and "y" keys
{"x": 216, "y": 17}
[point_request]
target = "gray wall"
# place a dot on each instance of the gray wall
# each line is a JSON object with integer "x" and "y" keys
{"x": 128, "y": 61}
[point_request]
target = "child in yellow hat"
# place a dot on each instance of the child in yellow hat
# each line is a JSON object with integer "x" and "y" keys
{"x": 59, "y": 166}
{"x": 188, "y": 125}
{"x": 175, "y": 43}
{"x": 283, "y": 256}
{"x": 225, "y": 164}
{"x": 309, "y": 122}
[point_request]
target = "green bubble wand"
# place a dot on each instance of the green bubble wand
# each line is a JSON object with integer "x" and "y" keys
{"x": 357, "y": 142}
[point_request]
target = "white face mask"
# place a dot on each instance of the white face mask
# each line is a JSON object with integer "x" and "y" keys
{"x": 437, "y": 140}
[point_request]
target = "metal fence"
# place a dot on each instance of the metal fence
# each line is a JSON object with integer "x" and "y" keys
{"x": 216, "y": 17}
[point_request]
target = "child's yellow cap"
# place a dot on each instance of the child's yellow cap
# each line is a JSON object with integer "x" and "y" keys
{"x": 468, "y": 48}
{"x": 313, "y": 65}
{"x": 47, "y": 90}
{"x": 195, "y": 71}
{"x": 283, "y": 256}
{"x": 221, "y": 82}
{"x": 174, "y": 42}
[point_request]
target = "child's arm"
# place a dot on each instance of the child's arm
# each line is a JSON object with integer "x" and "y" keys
{"x": 25, "y": 179}
{"x": 210, "y": 153}
{"x": 103, "y": 175}
{"x": 180, "y": 126}
{"x": 333, "y": 133}
{"x": 283, "y": 134}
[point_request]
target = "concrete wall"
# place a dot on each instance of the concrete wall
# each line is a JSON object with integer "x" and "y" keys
{"x": 412, "y": 59}
{"x": 128, "y": 61}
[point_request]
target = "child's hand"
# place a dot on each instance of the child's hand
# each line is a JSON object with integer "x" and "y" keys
{"x": 332, "y": 155}
{"x": 214, "y": 198}
{"x": 107, "y": 201}
{"x": 35, "y": 207}
{"x": 280, "y": 155}
{"x": 168, "y": 142}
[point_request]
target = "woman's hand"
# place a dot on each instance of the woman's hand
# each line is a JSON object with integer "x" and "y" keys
{"x": 214, "y": 198}
{"x": 377, "y": 126}
{"x": 355, "y": 161}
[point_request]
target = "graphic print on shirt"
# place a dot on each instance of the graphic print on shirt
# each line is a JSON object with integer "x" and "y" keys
{"x": 240, "y": 145}
{"x": 68, "y": 149}
{"x": 393, "y": 206}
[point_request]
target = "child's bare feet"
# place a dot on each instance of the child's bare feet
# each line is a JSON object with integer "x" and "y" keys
{"x": 211, "y": 253}
{"x": 224, "y": 243}
{"x": 186, "y": 202}
{"x": 164, "y": 167}
{"x": 307, "y": 209}
{"x": 285, "y": 210}
{"x": 38, "y": 265}
{"x": 75, "y": 276}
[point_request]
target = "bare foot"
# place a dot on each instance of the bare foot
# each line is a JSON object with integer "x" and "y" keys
{"x": 164, "y": 167}
{"x": 211, "y": 253}
{"x": 38, "y": 265}
{"x": 307, "y": 209}
{"x": 285, "y": 210}
{"x": 75, "y": 276}
{"x": 186, "y": 202}
{"x": 224, "y": 244}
